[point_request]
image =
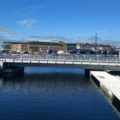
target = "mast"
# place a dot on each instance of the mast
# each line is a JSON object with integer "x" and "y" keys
{"x": 96, "y": 38}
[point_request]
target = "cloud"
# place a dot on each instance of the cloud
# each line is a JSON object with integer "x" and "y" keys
{"x": 28, "y": 22}
{"x": 47, "y": 38}
{"x": 5, "y": 30}
{"x": 33, "y": 9}
{"x": 36, "y": 8}
{"x": 7, "y": 33}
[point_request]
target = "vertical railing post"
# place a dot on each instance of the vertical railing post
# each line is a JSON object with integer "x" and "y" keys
{"x": 107, "y": 60}
{"x": 98, "y": 60}
{"x": 116, "y": 61}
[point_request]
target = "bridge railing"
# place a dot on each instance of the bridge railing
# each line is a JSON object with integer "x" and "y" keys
{"x": 74, "y": 58}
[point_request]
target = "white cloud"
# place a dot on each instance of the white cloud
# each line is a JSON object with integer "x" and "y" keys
{"x": 36, "y": 8}
{"x": 28, "y": 22}
{"x": 33, "y": 9}
{"x": 5, "y": 30}
{"x": 7, "y": 33}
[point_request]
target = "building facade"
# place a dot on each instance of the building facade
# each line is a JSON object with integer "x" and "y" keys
{"x": 34, "y": 46}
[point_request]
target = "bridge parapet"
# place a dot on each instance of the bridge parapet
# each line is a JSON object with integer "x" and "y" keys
{"x": 83, "y": 61}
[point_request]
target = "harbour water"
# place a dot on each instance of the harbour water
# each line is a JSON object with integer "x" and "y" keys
{"x": 53, "y": 94}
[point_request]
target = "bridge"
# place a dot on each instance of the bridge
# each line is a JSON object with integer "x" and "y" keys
{"x": 87, "y": 62}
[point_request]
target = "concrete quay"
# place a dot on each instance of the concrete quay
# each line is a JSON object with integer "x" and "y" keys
{"x": 109, "y": 84}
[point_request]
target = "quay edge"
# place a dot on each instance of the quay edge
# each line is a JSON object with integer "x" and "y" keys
{"x": 100, "y": 77}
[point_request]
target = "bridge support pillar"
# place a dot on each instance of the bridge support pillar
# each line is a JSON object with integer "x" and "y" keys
{"x": 1, "y": 67}
{"x": 87, "y": 72}
{"x": 7, "y": 69}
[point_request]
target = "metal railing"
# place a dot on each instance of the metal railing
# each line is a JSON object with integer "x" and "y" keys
{"x": 74, "y": 58}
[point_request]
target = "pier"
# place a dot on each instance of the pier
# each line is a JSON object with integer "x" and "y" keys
{"x": 109, "y": 84}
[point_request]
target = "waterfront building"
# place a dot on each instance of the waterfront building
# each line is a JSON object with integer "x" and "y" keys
{"x": 56, "y": 46}
{"x": 14, "y": 46}
{"x": 34, "y": 46}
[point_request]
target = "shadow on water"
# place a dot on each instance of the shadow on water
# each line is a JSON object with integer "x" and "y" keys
{"x": 115, "y": 103}
{"x": 47, "y": 77}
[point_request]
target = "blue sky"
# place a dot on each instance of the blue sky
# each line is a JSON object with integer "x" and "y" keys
{"x": 76, "y": 19}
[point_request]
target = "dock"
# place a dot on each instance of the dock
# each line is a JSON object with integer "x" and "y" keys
{"x": 109, "y": 83}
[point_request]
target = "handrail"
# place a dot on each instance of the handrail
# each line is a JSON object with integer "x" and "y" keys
{"x": 74, "y": 58}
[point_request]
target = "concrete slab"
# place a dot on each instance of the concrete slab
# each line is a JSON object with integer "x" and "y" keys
{"x": 109, "y": 82}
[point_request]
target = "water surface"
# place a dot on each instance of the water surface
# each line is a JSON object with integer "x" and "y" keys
{"x": 53, "y": 94}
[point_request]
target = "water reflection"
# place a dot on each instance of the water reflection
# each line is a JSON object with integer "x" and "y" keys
{"x": 56, "y": 95}
{"x": 47, "y": 81}
{"x": 112, "y": 100}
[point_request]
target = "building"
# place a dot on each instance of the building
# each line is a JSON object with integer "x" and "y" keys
{"x": 6, "y": 46}
{"x": 71, "y": 47}
{"x": 34, "y": 46}
{"x": 15, "y": 46}
{"x": 56, "y": 46}
{"x": 93, "y": 47}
